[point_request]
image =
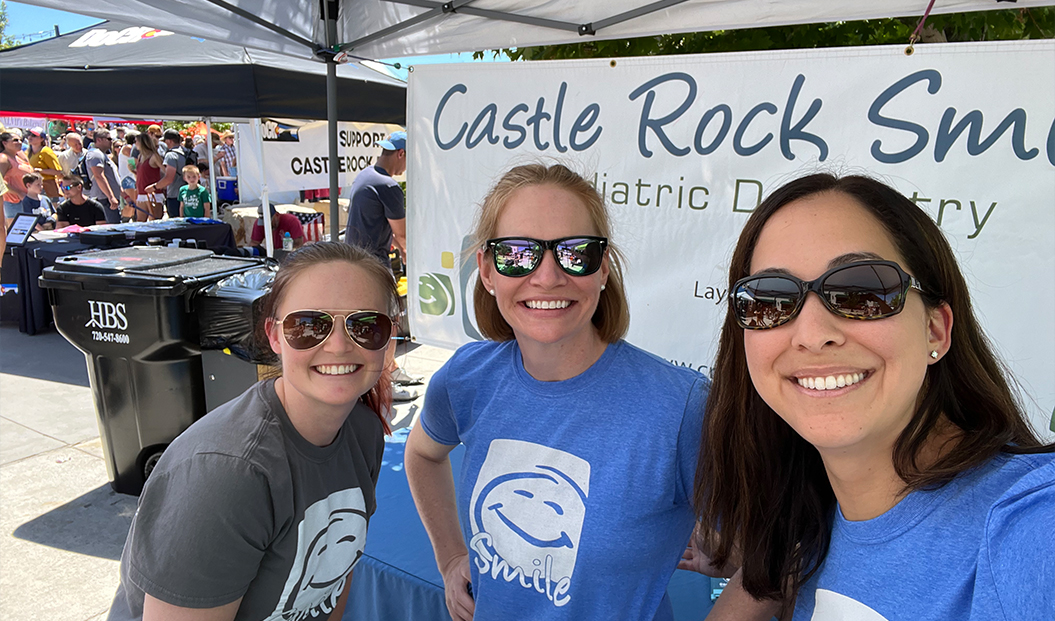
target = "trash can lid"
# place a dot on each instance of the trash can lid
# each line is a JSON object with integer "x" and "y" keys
{"x": 152, "y": 270}
{"x": 131, "y": 258}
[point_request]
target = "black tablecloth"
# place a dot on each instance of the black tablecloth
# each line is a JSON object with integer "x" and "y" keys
{"x": 36, "y": 255}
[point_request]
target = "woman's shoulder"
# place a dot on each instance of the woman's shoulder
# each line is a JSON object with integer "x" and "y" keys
{"x": 1020, "y": 480}
{"x": 238, "y": 430}
{"x": 479, "y": 353}
{"x": 647, "y": 366}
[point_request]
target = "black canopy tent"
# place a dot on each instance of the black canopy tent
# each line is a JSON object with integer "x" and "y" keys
{"x": 148, "y": 72}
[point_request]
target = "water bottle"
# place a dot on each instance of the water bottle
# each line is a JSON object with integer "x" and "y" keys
{"x": 287, "y": 242}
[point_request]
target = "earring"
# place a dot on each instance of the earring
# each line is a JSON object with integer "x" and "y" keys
{"x": 934, "y": 354}
{"x": 602, "y": 287}
{"x": 492, "y": 292}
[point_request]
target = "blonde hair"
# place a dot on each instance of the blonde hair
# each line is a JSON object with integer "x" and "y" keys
{"x": 612, "y": 317}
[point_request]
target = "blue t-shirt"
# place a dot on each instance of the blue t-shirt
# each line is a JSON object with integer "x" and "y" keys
{"x": 574, "y": 496}
{"x": 375, "y": 199}
{"x": 981, "y": 548}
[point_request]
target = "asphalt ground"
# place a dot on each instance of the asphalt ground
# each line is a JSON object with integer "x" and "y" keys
{"x": 61, "y": 526}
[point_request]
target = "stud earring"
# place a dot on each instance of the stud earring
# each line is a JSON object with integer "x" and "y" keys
{"x": 934, "y": 354}
{"x": 602, "y": 287}
{"x": 492, "y": 292}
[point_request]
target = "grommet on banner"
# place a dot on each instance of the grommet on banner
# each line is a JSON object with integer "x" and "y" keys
{"x": 612, "y": 63}
{"x": 911, "y": 49}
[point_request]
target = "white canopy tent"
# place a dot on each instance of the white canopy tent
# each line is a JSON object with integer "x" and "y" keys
{"x": 395, "y": 28}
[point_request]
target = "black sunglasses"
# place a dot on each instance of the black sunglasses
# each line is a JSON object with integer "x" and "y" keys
{"x": 70, "y": 187}
{"x": 307, "y": 329}
{"x": 580, "y": 255}
{"x": 859, "y": 290}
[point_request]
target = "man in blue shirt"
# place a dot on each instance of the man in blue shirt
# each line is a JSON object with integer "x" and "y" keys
{"x": 377, "y": 220}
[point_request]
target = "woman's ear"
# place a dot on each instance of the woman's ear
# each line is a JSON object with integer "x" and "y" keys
{"x": 272, "y": 329}
{"x": 487, "y": 269}
{"x": 939, "y": 331}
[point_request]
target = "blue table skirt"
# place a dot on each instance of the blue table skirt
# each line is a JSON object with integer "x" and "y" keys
{"x": 397, "y": 577}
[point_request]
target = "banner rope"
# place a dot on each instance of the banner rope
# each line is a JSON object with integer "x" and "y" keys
{"x": 919, "y": 28}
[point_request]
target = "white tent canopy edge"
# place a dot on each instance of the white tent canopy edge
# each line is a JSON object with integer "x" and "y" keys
{"x": 397, "y": 28}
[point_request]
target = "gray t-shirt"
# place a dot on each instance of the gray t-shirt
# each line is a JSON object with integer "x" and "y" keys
{"x": 241, "y": 505}
{"x": 176, "y": 159}
{"x": 94, "y": 158}
{"x": 376, "y": 198}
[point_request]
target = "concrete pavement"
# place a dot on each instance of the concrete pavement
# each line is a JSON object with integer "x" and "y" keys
{"x": 61, "y": 526}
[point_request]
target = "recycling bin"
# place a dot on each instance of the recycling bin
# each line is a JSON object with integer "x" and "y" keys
{"x": 130, "y": 311}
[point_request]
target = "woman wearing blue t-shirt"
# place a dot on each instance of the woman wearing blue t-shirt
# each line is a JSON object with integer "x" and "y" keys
{"x": 574, "y": 498}
{"x": 863, "y": 453}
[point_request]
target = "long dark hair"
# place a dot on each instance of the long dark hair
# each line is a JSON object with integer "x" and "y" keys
{"x": 378, "y": 398}
{"x": 762, "y": 490}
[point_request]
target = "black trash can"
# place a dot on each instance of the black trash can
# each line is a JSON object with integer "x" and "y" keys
{"x": 130, "y": 311}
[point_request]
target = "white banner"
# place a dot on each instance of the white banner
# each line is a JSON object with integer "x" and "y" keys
{"x": 297, "y": 157}
{"x": 684, "y": 147}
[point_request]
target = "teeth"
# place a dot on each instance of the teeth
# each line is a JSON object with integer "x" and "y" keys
{"x": 336, "y": 369}
{"x": 547, "y": 304}
{"x": 831, "y": 382}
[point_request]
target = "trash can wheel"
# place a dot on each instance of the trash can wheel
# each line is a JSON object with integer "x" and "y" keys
{"x": 152, "y": 456}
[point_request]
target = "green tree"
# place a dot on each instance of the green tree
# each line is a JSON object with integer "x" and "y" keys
{"x": 6, "y": 40}
{"x": 1006, "y": 24}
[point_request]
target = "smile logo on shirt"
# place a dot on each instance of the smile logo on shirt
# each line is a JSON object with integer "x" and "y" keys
{"x": 330, "y": 541}
{"x": 526, "y": 513}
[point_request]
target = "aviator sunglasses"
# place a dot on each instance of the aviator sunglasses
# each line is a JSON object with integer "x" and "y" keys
{"x": 580, "y": 255}
{"x": 307, "y": 329}
{"x": 859, "y": 290}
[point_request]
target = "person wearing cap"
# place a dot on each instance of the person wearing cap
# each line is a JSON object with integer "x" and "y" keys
{"x": 44, "y": 161}
{"x": 281, "y": 223}
{"x": 105, "y": 186}
{"x": 376, "y": 213}
{"x": 228, "y": 156}
{"x": 172, "y": 180}
{"x": 377, "y": 220}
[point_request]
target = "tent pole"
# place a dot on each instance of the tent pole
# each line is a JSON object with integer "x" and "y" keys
{"x": 211, "y": 163}
{"x": 258, "y": 140}
{"x": 331, "y": 123}
{"x": 331, "y": 130}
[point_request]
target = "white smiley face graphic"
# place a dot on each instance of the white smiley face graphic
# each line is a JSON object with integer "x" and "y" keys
{"x": 532, "y": 510}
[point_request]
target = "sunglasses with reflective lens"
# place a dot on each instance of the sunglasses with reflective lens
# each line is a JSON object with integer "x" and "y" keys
{"x": 70, "y": 187}
{"x": 580, "y": 255}
{"x": 859, "y": 290}
{"x": 307, "y": 329}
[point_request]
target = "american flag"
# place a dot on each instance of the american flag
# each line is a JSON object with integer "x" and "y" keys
{"x": 314, "y": 225}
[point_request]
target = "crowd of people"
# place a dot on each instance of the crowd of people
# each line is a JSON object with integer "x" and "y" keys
{"x": 128, "y": 174}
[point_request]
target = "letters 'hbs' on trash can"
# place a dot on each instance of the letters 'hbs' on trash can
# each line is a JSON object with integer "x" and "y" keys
{"x": 130, "y": 311}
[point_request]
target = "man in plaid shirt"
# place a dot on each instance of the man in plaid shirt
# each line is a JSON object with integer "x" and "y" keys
{"x": 228, "y": 156}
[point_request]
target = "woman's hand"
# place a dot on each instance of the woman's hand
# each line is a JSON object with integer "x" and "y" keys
{"x": 456, "y": 581}
{"x": 696, "y": 559}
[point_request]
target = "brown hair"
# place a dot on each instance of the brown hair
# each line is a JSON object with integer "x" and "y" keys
{"x": 378, "y": 398}
{"x": 73, "y": 179}
{"x": 29, "y": 178}
{"x": 148, "y": 149}
{"x": 762, "y": 489}
{"x": 612, "y": 317}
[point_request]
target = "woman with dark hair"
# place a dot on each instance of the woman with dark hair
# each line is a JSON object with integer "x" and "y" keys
{"x": 575, "y": 490}
{"x": 863, "y": 453}
{"x": 260, "y": 509}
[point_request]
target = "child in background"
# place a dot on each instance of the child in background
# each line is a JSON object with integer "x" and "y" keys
{"x": 36, "y": 201}
{"x": 194, "y": 200}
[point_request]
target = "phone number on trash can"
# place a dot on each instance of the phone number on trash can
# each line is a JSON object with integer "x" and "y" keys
{"x": 109, "y": 337}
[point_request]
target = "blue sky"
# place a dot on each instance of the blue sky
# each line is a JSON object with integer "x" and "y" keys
{"x": 24, "y": 19}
